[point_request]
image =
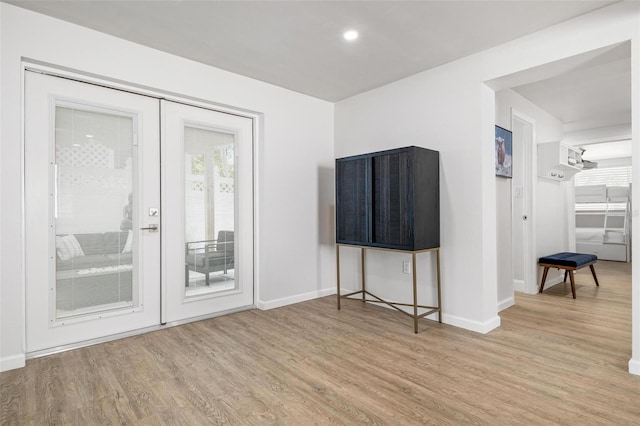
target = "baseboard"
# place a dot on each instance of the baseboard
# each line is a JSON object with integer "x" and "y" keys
{"x": 12, "y": 362}
{"x": 478, "y": 327}
{"x": 518, "y": 285}
{"x": 456, "y": 321}
{"x": 272, "y": 304}
{"x": 634, "y": 366}
{"x": 553, "y": 281}
{"x": 506, "y": 303}
{"x": 453, "y": 320}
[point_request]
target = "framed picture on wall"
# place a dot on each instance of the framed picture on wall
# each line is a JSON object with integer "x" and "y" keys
{"x": 503, "y": 152}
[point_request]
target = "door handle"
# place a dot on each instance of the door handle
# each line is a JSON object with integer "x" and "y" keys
{"x": 151, "y": 228}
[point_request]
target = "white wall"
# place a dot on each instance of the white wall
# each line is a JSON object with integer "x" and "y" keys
{"x": 450, "y": 109}
{"x": 295, "y": 191}
{"x": 16, "y": 356}
{"x": 518, "y": 208}
{"x": 634, "y": 362}
{"x": 552, "y": 226}
{"x": 505, "y": 260}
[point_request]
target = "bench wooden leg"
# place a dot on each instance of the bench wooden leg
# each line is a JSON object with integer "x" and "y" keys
{"x": 593, "y": 272}
{"x": 544, "y": 278}
{"x": 573, "y": 284}
{"x": 566, "y": 271}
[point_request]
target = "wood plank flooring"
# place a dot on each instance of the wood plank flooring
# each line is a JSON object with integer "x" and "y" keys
{"x": 554, "y": 360}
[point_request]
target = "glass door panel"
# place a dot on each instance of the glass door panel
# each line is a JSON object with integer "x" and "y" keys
{"x": 209, "y": 200}
{"x": 94, "y": 169}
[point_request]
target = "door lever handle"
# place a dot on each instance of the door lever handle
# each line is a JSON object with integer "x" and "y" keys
{"x": 151, "y": 228}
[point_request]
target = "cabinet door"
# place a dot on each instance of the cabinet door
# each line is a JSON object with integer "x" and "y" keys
{"x": 352, "y": 199}
{"x": 392, "y": 201}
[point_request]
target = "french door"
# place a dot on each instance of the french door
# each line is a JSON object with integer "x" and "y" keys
{"x": 105, "y": 240}
{"x": 208, "y": 208}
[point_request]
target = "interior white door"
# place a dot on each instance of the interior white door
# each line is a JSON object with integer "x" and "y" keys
{"x": 525, "y": 265}
{"x": 207, "y": 181}
{"x": 92, "y": 175}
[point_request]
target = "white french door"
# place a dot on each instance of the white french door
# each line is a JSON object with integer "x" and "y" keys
{"x": 92, "y": 164}
{"x": 208, "y": 211}
{"x": 98, "y": 261}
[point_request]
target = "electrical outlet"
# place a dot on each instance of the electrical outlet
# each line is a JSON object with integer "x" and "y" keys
{"x": 406, "y": 267}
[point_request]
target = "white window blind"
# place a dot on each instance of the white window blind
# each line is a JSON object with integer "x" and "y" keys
{"x": 612, "y": 176}
{"x": 599, "y": 207}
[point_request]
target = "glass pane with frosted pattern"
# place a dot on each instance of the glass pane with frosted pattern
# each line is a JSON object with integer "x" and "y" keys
{"x": 94, "y": 213}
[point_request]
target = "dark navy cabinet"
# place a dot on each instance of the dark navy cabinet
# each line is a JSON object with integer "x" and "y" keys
{"x": 389, "y": 199}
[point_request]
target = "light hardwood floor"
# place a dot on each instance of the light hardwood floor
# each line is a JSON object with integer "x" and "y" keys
{"x": 554, "y": 360}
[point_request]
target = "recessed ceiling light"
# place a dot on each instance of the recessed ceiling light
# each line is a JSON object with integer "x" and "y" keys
{"x": 88, "y": 136}
{"x": 350, "y": 35}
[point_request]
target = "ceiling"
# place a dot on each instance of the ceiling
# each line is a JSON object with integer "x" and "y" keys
{"x": 607, "y": 150}
{"x": 298, "y": 44}
{"x": 593, "y": 94}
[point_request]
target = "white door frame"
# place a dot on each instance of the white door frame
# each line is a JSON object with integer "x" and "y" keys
{"x": 530, "y": 285}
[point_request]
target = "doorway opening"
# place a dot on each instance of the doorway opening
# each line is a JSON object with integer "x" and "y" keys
{"x": 582, "y": 101}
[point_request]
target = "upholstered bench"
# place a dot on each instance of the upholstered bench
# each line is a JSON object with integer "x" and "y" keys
{"x": 569, "y": 262}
